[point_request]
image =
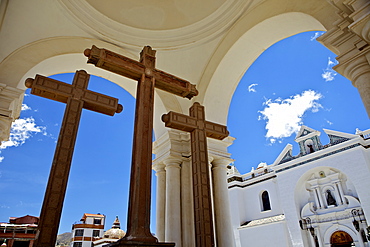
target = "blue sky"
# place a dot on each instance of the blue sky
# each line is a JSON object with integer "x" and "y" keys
{"x": 290, "y": 84}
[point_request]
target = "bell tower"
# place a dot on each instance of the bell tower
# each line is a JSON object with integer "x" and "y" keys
{"x": 308, "y": 140}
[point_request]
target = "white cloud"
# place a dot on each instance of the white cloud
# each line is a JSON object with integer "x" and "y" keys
{"x": 284, "y": 116}
{"x": 328, "y": 73}
{"x": 316, "y": 35}
{"x": 330, "y": 123}
{"x": 251, "y": 88}
{"x": 21, "y": 130}
{"x": 25, "y": 107}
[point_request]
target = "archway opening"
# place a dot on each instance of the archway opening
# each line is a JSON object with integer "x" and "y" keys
{"x": 341, "y": 239}
{"x": 290, "y": 84}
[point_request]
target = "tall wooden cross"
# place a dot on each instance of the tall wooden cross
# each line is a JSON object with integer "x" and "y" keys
{"x": 76, "y": 96}
{"x": 199, "y": 130}
{"x": 148, "y": 77}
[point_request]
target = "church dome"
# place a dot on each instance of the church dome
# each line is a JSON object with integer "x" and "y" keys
{"x": 115, "y": 232}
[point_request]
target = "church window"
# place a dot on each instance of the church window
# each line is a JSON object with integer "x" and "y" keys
{"x": 79, "y": 232}
{"x": 322, "y": 174}
{"x": 265, "y": 201}
{"x": 96, "y": 233}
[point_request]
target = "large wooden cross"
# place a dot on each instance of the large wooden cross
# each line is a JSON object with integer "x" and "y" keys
{"x": 199, "y": 130}
{"x": 148, "y": 77}
{"x": 76, "y": 97}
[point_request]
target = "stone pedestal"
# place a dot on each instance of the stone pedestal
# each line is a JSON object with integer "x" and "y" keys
{"x": 138, "y": 244}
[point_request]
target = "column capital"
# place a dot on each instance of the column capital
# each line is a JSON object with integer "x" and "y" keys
{"x": 172, "y": 162}
{"x": 158, "y": 167}
{"x": 172, "y": 143}
{"x": 10, "y": 107}
{"x": 353, "y": 66}
{"x": 221, "y": 162}
{"x": 5, "y": 124}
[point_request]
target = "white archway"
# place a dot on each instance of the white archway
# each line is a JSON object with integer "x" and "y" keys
{"x": 339, "y": 227}
{"x": 218, "y": 92}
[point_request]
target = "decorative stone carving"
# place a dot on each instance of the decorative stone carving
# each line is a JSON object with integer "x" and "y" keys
{"x": 10, "y": 108}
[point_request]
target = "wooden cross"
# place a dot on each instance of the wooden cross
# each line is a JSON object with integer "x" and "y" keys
{"x": 148, "y": 77}
{"x": 199, "y": 130}
{"x": 76, "y": 96}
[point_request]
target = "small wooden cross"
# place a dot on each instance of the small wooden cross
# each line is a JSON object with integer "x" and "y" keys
{"x": 199, "y": 130}
{"x": 77, "y": 97}
{"x": 148, "y": 77}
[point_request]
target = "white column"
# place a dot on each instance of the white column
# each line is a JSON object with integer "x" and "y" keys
{"x": 340, "y": 189}
{"x": 160, "y": 201}
{"x": 224, "y": 232}
{"x": 210, "y": 159}
{"x": 173, "y": 201}
{"x": 187, "y": 205}
{"x": 361, "y": 82}
{"x": 316, "y": 199}
{"x": 319, "y": 195}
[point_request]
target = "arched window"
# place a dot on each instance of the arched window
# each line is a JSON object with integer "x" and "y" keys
{"x": 265, "y": 201}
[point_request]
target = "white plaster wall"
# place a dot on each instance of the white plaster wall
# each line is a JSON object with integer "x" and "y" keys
{"x": 252, "y": 203}
{"x": 237, "y": 211}
{"x": 273, "y": 234}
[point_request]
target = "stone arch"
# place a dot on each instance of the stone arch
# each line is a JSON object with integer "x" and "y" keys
{"x": 65, "y": 55}
{"x": 340, "y": 238}
{"x": 220, "y": 80}
{"x": 335, "y": 228}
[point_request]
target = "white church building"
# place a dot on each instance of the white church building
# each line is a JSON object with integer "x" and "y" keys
{"x": 320, "y": 197}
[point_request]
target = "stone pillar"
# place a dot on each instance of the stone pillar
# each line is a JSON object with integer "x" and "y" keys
{"x": 10, "y": 108}
{"x": 319, "y": 195}
{"x": 160, "y": 201}
{"x": 359, "y": 72}
{"x": 349, "y": 37}
{"x": 187, "y": 205}
{"x": 315, "y": 197}
{"x": 173, "y": 201}
{"x": 224, "y": 232}
{"x": 340, "y": 189}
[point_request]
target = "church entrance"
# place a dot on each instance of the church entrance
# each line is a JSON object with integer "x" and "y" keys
{"x": 341, "y": 239}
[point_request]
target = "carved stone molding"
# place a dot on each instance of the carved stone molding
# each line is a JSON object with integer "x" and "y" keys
{"x": 10, "y": 108}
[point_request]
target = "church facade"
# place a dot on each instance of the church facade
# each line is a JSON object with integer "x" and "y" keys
{"x": 319, "y": 197}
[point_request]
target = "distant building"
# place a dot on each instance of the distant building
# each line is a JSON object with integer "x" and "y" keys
{"x": 319, "y": 197}
{"x": 19, "y": 232}
{"x": 90, "y": 228}
{"x": 111, "y": 235}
